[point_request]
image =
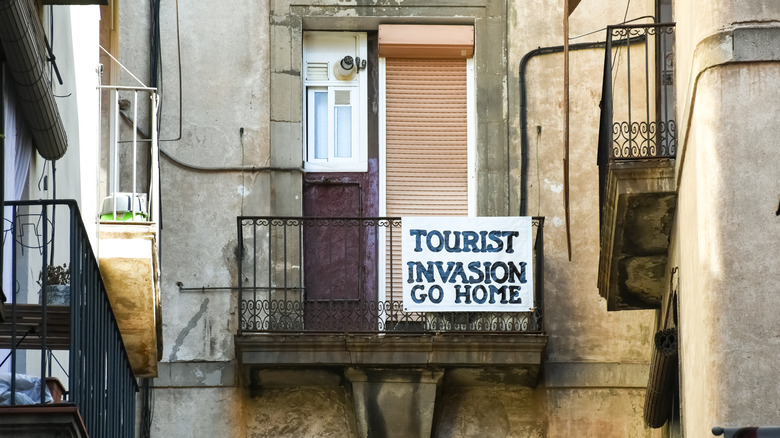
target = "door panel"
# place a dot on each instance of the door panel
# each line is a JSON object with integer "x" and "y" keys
{"x": 340, "y": 257}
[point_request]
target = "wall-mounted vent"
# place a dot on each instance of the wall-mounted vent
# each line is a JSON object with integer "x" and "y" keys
{"x": 317, "y": 71}
{"x": 341, "y": 97}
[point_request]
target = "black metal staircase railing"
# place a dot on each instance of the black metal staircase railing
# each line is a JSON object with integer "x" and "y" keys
{"x": 73, "y": 337}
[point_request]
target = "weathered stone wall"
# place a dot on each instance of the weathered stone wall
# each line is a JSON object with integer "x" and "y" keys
{"x": 494, "y": 411}
{"x": 241, "y": 82}
{"x": 598, "y": 412}
{"x": 299, "y": 412}
{"x": 596, "y": 365}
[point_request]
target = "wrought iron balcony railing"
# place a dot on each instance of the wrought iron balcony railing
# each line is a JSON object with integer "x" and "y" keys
{"x": 300, "y": 274}
{"x": 637, "y": 101}
{"x": 66, "y": 332}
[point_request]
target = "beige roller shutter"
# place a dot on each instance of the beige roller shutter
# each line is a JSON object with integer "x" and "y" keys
{"x": 426, "y": 137}
{"x": 426, "y": 143}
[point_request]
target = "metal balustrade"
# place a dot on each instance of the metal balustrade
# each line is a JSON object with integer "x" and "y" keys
{"x": 637, "y": 100}
{"x": 75, "y": 337}
{"x": 637, "y": 118}
{"x": 302, "y": 274}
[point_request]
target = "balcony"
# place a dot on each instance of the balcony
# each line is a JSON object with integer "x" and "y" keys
{"x": 326, "y": 292}
{"x": 60, "y": 339}
{"x": 129, "y": 225}
{"x": 636, "y": 152}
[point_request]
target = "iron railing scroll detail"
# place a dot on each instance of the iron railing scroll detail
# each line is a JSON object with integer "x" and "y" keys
{"x": 637, "y": 100}
{"x": 303, "y": 274}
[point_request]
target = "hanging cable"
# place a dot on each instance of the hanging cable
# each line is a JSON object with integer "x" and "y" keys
{"x": 625, "y": 15}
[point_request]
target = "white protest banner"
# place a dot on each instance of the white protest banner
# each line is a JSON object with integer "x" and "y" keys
{"x": 467, "y": 264}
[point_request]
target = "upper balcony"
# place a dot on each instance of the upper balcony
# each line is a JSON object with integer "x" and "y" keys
{"x": 326, "y": 292}
{"x": 636, "y": 152}
{"x": 60, "y": 340}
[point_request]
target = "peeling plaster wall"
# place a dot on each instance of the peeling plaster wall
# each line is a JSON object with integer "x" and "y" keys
{"x": 513, "y": 412}
{"x": 598, "y": 412}
{"x": 579, "y": 326}
{"x": 240, "y": 69}
{"x": 225, "y": 123}
{"x": 300, "y": 412}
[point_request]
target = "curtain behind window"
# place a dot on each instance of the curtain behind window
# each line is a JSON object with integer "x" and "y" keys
{"x": 17, "y": 155}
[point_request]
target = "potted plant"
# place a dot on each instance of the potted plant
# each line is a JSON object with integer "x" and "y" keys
{"x": 57, "y": 284}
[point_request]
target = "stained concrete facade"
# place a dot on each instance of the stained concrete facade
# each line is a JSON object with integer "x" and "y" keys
{"x": 234, "y": 149}
{"x": 727, "y": 227}
{"x": 241, "y": 115}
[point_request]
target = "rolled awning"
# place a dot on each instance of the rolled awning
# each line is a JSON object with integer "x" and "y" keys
{"x": 661, "y": 386}
{"x": 24, "y": 47}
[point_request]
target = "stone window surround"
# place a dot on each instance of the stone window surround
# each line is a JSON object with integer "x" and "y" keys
{"x": 288, "y": 20}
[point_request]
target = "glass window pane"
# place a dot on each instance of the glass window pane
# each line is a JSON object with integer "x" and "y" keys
{"x": 344, "y": 131}
{"x": 320, "y": 134}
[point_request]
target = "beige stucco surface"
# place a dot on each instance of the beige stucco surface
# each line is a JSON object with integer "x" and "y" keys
{"x": 695, "y": 23}
{"x": 728, "y": 196}
{"x": 255, "y": 85}
{"x": 579, "y": 326}
{"x": 726, "y": 231}
{"x": 601, "y": 412}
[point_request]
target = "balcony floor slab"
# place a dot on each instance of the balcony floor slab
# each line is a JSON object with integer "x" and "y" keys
{"x": 447, "y": 351}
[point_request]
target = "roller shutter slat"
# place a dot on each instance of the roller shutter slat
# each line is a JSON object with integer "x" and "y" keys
{"x": 426, "y": 143}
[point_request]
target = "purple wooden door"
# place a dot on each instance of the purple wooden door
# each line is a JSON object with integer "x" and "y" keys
{"x": 340, "y": 256}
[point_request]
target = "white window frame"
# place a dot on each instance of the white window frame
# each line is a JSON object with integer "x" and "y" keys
{"x": 331, "y": 136}
{"x": 347, "y": 43}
